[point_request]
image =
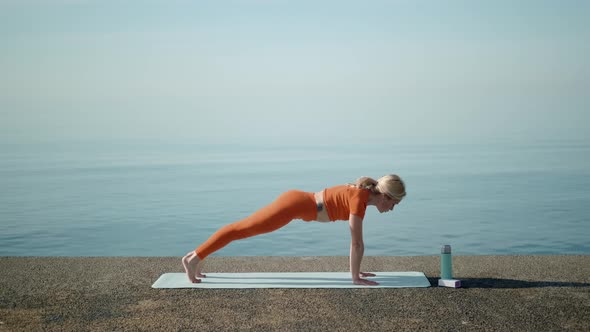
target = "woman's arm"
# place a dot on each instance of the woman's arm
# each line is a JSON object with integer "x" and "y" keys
{"x": 357, "y": 249}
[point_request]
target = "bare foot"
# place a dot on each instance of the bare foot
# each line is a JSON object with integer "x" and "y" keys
{"x": 192, "y": 266}
{"x": 200, "y": 268}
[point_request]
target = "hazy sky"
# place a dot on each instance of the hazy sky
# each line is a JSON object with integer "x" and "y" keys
{"x": 294, "y": 71}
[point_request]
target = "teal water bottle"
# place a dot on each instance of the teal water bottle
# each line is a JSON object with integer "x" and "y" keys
{"x": 446, "y": 262}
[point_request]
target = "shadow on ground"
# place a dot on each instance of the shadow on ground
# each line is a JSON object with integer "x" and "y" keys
{"x": 510, "y": 283}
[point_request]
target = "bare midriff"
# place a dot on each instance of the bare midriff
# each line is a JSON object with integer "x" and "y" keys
{"x": 322, "y": 211}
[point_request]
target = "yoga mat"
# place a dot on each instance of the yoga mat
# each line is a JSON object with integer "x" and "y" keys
{"x": 291, "y": 280}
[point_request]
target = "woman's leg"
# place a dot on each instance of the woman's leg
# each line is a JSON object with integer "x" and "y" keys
{"x": 288, "y": 206}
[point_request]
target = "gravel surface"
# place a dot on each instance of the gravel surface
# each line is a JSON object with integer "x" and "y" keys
{"x": 500, "y": 293}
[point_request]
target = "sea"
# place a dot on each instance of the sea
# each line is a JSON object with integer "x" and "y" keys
{"x": 154, "y": 198}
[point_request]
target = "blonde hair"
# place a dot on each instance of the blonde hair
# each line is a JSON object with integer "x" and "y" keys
{"x": 391, "y": 185}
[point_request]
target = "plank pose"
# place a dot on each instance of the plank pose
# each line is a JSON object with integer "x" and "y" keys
{"x": 342, "y": 202}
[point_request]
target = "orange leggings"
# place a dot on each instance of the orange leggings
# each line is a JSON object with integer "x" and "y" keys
{"x": 293, "y": 204}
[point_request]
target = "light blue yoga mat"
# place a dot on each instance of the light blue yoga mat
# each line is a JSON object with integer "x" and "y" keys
{"x": 291, "y": 280}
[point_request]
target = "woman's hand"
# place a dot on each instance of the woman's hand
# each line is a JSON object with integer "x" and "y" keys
{"x": 365, "y": 282}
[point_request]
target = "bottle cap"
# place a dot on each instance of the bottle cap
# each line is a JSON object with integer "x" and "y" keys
{"x": 446, "y": 249}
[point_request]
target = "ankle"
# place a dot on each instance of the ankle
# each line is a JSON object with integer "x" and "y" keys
{"x": 194, "y": 258}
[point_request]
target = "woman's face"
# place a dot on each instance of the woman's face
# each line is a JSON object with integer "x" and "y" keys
{"x": 386, "y": 203}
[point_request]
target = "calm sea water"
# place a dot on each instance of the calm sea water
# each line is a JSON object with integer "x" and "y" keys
{"x": 164, "y": 199}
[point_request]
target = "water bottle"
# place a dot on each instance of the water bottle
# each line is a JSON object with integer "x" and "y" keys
{"x": 446, "y": 262}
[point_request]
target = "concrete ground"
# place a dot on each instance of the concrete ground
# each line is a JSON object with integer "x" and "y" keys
{"x": 500, "y": 293}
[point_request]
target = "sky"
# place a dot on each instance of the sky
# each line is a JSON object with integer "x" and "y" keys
{"x": 294, "y": 71}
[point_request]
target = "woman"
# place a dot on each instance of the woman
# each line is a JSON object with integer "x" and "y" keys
{"x": 343, "y": 202}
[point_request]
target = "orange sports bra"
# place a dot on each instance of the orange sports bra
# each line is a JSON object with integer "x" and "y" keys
{"x": 343, "y": 200}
